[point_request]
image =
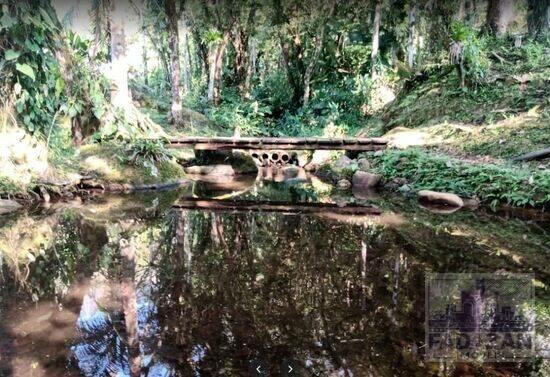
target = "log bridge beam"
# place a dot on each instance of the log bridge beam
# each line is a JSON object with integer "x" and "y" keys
{"x": 280, "y": 143}
{"x": 235, "y": 206}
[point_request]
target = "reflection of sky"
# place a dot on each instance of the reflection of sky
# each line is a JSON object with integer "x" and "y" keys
{"x": 102, "y": 352}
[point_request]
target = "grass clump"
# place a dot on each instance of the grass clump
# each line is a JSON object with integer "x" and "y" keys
{"x": 137, "y": 163}
{"x": 492, "y": 184}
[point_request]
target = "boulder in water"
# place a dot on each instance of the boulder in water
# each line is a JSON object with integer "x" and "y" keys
{"x": 440, "y": 198}
{"x": 225, "y": 170}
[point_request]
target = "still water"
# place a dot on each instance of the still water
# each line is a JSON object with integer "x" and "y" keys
{"x": 131, "y": 286}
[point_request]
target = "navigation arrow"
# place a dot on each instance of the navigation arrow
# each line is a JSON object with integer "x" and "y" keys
{"x": 258, "y": 369}
{"x": 290, "y": 369}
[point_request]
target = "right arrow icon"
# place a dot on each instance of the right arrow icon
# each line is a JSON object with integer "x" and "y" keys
{"x": 290, "y": 368}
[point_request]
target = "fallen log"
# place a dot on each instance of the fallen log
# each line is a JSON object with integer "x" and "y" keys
{"x": 270, "y": 206}
{"x": 536, "y": 155}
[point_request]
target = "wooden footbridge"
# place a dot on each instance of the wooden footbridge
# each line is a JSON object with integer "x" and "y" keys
{"x": 278, "y": 143}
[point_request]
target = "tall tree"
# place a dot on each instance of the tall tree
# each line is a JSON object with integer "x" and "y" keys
{"x": 411, "y": 33}
{"x": 375, "y": 37}
{"x": 240, "y": 41}
{"x": 318, "y": 43}
{"x": 499, "y": 15}
{"x": 173, "y": 46}
{"x": 538, "y": 17}
{"x": 120, "y": 95}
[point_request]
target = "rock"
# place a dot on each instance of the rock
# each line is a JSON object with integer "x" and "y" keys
{"x": 441, "y": 198}
{"x": 226, "y": 170}
{"x": 320, "y": 157}
{"x": 343, "y": 162}
{"x": 364, "y": 193}
{"x": 290, "y": 171}
{"x": 363, "y": 179}
{"x": 405, "y": 189}
{"x": 9, "y": 206}
{"x": 310, "y": 167}
{"x": 241, "y": 161}
{"x": 343, "y": 184}
{"x": 363, "y": 164}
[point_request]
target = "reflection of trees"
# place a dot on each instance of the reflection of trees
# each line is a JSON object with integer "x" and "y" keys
{"x": 199, "y": 292}
{"x": 276, "y": 287}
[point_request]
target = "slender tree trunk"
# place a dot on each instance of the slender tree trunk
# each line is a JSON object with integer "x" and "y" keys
{"x": 251, "y": 67}
{"x": 499, "y": 15}
{"x": 127, "y": 296}
{"x": 145, "y": 68}
{"x": 293, "y": 63}
{"x": 186, "y": 59}
{"x": 412, "y": 25}
{"x": 173, "y": 46}
{"x": 202, "y": 52}
{"x": 319, "y": 38}
{"x": 375, "y": 38}
{"x": 120, "y": 95}
{"x": 538, "y": 17}
{"x": 215, "y": 74}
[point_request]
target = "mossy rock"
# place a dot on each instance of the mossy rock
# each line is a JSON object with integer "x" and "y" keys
{"x": 107, "y": 162}
{"x": 241, "y": 161}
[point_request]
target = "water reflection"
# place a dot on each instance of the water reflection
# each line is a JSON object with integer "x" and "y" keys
{"x": 136, "y": 288}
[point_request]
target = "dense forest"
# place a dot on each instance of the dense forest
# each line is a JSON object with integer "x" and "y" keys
{"x": 458, "y": 87}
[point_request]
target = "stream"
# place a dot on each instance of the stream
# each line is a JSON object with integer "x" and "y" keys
{"x": 129, "y": 285}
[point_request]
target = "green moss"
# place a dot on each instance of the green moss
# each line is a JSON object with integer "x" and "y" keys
{"x": 108, "y": 162}
{"x": 493, "y": 184}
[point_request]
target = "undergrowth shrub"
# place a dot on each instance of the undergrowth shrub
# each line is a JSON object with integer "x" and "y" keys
{"x": 491, "y": 183}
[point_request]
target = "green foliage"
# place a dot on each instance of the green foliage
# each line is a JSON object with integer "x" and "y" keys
{"x": 28, "y": 34}
{"x": 88, "y": 90}
{"x": 473, "y": 51}
{"x": 147, "y": 153}
{"x": 246, "y": 117}
{"x": 491, "y": 183}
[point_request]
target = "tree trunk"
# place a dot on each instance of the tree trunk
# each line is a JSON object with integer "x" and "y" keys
{"x": 173, "y": 46}
{"x": 186, "y": 59}
{"x": 319, "y": 38}
{"x": 120, "y": 95}
{"x": 293, "y": 63}
{"x": 251, "y": 67}
{"x": 217, "y": 52}
{"x": 538, "y": 17}
{"x": 410, "y": 42}
{"x": 375, "y": 38}
{"x": 499, "y": 15}
{"x": 145, "y": 68}
{"x": 240, "y": 43}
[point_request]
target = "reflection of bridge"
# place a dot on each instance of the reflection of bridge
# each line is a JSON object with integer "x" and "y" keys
{"x": 282, "y": 143}
{"x": 272, "y": 206}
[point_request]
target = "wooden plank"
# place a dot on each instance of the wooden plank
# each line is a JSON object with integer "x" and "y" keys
{"x": 269, "y": 206}
{"x": 225, "y": 143}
